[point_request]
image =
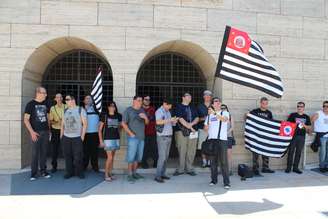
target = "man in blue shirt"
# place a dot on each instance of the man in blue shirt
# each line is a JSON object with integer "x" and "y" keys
{"x": 91, "y": 141}
{"x": 186, "y": 135}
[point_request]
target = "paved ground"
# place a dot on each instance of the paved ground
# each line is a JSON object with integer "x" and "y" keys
{"x": 273, "y": 196}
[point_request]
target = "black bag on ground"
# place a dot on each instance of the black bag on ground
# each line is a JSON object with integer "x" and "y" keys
{"x": 244, "y": 171}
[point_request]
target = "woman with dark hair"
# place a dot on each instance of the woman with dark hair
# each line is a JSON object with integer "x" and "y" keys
{"x": 231, "y": 139}
{"x": 109, "y": 136}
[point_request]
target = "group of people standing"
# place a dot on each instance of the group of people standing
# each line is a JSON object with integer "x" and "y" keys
{"x": 80, "y": 131}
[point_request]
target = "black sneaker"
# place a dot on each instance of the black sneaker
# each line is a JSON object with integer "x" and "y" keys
{"x": 212, "y": 183}
{"x": 227, "y": 186}
{"x": 192, "y": 173}
{"x": 67, "y": 176}
{"x": 165, "y": 177}
{"x": 177, "y": 173}
{"x": 159, "y": 180}
{"x": 287, "y": 170}
{"x": 267, "y": 170}
{"x": 257, "y": 173}
{"x": 298, "y": 171}
{"x": 45, "y": 175}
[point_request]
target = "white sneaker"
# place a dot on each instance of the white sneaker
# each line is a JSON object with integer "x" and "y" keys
{"x": 227, "y": 186}
{"x": 33, "y": 178}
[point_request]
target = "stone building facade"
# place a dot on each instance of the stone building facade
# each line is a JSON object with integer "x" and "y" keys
{"x": 126, "y": 33}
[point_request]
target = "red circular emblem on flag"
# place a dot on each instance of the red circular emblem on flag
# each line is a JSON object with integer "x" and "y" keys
{"x": 239, "y": 40}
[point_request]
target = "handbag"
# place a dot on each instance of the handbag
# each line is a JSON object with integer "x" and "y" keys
{"x": 185, "y": 131}
{"x": 245, "y": 171}
{"x": 208, "y": 146}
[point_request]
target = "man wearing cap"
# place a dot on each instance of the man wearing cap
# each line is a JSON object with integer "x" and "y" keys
{"x": 202, "y": 113}
{"x": 186, "y": 135}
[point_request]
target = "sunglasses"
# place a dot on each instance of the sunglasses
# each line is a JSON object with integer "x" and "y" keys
{"x": 68, "y": 99}
{"x": 300, "y": 106}
{"x": 325, "y": 106}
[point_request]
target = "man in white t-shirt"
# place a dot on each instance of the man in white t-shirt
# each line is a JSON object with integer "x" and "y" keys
{"x": 216, "y": 126}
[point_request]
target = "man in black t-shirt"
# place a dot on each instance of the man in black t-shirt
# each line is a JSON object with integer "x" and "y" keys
{"x": 37, "y": 123}
{"x": 263, "y": 112}
{"x": 296, "y": 146}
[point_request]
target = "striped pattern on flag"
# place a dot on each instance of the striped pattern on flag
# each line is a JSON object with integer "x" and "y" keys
{"x": 97, "y": 91}
{"x": 250, "y": 68}
{"x": 262, "y": 136}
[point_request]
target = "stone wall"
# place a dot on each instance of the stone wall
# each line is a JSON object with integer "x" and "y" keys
{"x": 293, "y": 34}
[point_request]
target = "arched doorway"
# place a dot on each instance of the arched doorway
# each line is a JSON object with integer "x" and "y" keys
{"x": 170, "y": 74}
{"x": 73, "y": 72}
{"x": 37, "y": 71}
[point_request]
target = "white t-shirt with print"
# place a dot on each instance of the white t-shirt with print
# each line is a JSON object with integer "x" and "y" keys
{"x": 214, "y": 125}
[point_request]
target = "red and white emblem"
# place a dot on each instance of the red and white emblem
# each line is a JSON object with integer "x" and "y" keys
{"x": 287, "y": 128}
{"x": 239, "y": 40}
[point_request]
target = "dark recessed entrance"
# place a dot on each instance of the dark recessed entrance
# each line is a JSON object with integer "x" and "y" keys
{"x": 73, "y": 72}
{"x": 170, "y": 75}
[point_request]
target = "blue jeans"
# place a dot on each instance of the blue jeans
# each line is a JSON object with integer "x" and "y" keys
{"x": 323, "y": 152}
{"x": 135, "y": 150}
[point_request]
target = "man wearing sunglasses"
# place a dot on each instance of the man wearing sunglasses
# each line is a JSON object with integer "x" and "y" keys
{"x": 72, "y": 133}
{"x": 320, "y": 122}
{"x": 36, "y": 120}
{"x": 150, "y": 149}
{"x": 296, "y": 146}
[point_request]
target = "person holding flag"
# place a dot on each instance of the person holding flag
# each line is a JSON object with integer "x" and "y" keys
{"x": 296, "y": 146}
{"x": 262, "y": 111}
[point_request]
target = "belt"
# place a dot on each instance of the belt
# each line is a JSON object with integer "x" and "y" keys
{"x": 165, "y": 136}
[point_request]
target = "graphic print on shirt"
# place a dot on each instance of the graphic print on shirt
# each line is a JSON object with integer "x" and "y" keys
{"x": 41, "y": 113}
{"x": 71, "y": 123}
{"x": 112, "y": 123}
{"x": 300, "y": 122}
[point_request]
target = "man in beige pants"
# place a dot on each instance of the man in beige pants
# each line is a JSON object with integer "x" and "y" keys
{"x": 186, "y": 135}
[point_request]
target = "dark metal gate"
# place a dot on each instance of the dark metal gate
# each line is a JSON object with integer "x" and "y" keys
{"x": 73, "y": 72}
{"x": 170, "y": 75}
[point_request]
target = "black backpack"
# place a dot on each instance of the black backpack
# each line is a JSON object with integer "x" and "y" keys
{"x": 245, "y": 171}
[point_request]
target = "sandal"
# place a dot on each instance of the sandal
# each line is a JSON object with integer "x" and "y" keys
{"x": 108, "y": 179}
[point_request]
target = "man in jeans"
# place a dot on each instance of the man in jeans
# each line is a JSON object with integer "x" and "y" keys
{"x": 56, "y": 117}
{"x": 186, "y": 143}
{"x": 296, "y": 146}
{"x": 320, "y": 121}
{"x": 37, "y": 123}
{"x": 133, "y": 122}
{"x": 164, "y": 132}
{"x": 72, "y": 134}
{"x": 216, "y": 125}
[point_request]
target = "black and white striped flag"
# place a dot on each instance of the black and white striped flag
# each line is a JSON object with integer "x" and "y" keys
{"x": 97, "y": 91}
{"x": 242, "y": 61}
{"x": 268, "y": 137}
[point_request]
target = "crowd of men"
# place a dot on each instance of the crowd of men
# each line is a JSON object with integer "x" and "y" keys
{"x": 80, "y": 131}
